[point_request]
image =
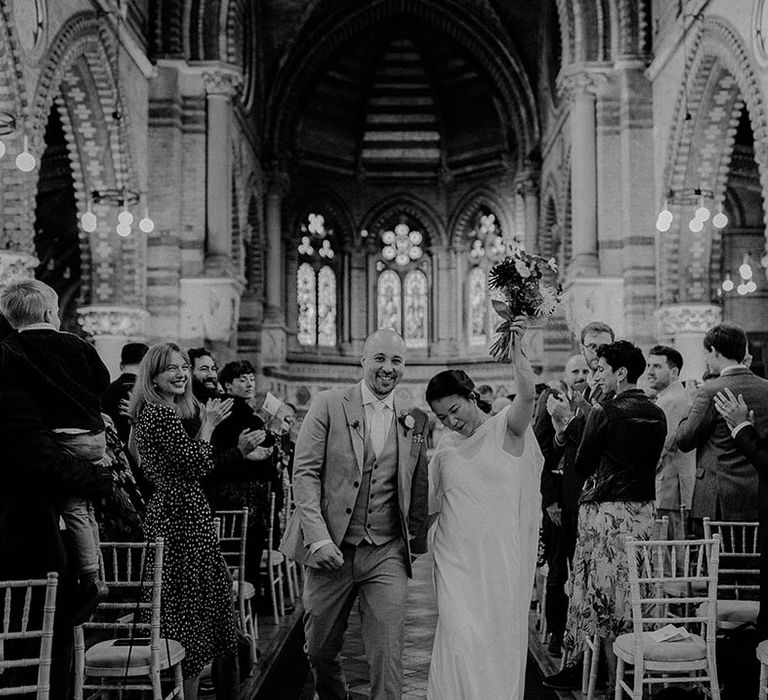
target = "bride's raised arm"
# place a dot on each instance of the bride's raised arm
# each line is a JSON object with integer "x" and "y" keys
{"x": 520, "y": 412}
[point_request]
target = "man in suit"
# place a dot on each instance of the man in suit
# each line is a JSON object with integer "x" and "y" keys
{"x": 726, "y": 480}
{"x": 35, "y": 475}
{"x": 676, "y": 472}
{"x": 755, "y": 448}
{"x": 568, "y": 416}
{"x": 360, "y": 485}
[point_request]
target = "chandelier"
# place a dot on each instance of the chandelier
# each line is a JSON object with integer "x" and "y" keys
{"x": 746, "y": 283}
{"x": 123, "y": 198}
{"x": 691, "y": 197}
{"x": 25, "y": 161}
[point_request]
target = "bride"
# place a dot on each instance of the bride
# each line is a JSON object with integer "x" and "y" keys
{"x": 485, "y": 499}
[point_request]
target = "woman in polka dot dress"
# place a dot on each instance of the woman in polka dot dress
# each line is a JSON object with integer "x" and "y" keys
{"x": 196, "y": 600}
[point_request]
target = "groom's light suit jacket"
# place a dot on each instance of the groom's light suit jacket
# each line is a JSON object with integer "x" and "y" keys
{"x": 328, "y": 466}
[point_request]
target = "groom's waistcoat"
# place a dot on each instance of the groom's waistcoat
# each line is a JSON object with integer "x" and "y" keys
{"x": 376, "y": 516}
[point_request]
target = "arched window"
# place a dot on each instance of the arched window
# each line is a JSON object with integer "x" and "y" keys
{"x": 486, "y": 247}
{"x": 316, "y": 294}
{"x": 402, "y": 288}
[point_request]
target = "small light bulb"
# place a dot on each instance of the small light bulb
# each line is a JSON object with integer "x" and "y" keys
{"x": 742, "y": 289}
{"x": 2, "y": 149}
{"x": 727, "y": 284}
{"x": 719, "y": 220}
{"x": 702, "y": 214}
{"x": 147, "y": 225}
{"x": 751, "y": 286}
{"x": 123, "y": 230}
{"x": 25, "y": 161}
{"x": 125, "y": 217}
{"x": 662, "y": 225}
{"x": 745, "y": 271}
{"x": 665, "y": 216}
{"x": 88, "y": 222}
{"x": 695, "y": 225}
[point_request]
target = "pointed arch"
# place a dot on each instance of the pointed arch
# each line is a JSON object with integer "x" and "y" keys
{"x": 402, "y": 202}
{"x": 466, "y": 209}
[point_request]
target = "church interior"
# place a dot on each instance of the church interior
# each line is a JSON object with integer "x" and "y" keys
{"x": 274, "y": 179}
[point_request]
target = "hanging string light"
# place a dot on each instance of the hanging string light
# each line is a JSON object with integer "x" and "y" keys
{"x": 123, "y": 198}
{"x": 694, "y": 197}
{"x": 25, "y": 161}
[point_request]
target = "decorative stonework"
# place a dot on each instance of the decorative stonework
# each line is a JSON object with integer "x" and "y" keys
{"x": 674, "y": 319}
{"x": 222, "y": 83}
{"x": 123, "y": 321}
{"x": 16, "y": 266}
{"x": 595, "y": 299}
{"x": 210, "y": 308}
{"x": 273, "y": 345}
{"x": 460, "y": 224}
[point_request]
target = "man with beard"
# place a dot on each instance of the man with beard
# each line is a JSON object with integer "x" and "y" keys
{"x": 572, "y": 412}
{"x": 559, "y": 541}
{"x": 360, "y": 482}
{"x": 205, "y": 380}
{"x": 676, "y": 473}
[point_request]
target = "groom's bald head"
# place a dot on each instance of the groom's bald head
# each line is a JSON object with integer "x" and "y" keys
{"x": 383, "y": 361}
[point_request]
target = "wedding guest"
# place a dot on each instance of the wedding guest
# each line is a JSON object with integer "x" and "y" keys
{"x": 115, "y": 398}
{"x": 726, "y": 485}
{"x": 205, "y": 382}
{"x": 196, "y": 588}
{"x": 676, "y": 472}
{"x": 35, "y": 474}
{"x": 618, "y": 454}
{"x": 572, "y": 412}
{"x": 559, "y": 537}
{"x": 754, "y": 446}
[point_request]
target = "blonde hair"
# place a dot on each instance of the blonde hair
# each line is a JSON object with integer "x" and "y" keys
{"x": 25, "y": 302}
{"x": 145, "y": 391}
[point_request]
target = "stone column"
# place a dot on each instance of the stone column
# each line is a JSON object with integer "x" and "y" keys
{"x": 220, "y": 87}
{"x": 273, "y": 344}
{"x": 15, "y": 265}
{"x": 111, "y": 327}
{"x": 528, "y": 189}
{"x": 450, "y": 337}
{"x": 684, "y": 326}
{"x": 581, "y": 91}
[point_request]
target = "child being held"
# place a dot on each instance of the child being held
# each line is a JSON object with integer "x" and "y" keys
{"x": 65, "y": 377}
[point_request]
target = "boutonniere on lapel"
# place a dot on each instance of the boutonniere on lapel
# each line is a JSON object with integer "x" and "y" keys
{"x": 355, "y": 425}
{"x": 408, "y": 421}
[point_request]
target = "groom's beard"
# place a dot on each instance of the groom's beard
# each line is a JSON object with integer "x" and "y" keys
{"x": 203, "y": 392}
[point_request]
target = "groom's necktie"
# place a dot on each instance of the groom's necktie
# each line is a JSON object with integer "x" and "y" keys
{"x": 379, "y": 426}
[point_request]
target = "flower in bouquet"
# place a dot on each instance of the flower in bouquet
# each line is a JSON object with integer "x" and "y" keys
{"x": 519, "y": 278}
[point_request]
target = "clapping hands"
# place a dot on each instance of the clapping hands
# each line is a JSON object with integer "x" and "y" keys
{"x": 217, "y": 410}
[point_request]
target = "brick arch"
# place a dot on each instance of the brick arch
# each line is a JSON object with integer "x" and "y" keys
{"x": 634, "y": 32}
{"x": 567, "y": 30}
{"x": 78, "y": 76}
{"x": 335, "y": 24}
{"x": 406, "y": 204}
{"x": 722, "y": 80}
{"x": 466, "y": 210}
{"x": 18, "y": 196}
{"x": 551, "y": 215}
{"x": 596, "y": 25}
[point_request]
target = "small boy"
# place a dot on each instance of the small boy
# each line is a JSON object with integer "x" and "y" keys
{"x": 65, "y": 377}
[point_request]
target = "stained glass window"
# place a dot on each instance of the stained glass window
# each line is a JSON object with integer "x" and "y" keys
{"x": 389, "y": 298}
{"x": 316, "y": 283}
{"x": 477, "y": 305}
{"x": 416, "y": 309}
{"x": 326, "y": 307}
{"x": 306, "y": 298}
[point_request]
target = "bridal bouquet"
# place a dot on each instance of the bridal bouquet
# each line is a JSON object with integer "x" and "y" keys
{"x": 519, "y": 279}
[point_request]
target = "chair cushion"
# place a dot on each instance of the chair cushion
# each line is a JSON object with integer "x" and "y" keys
{"x": 107, "y": 656}
{"x": 250, "y": 591}
{"x": 732, "y": 613}
{"x": 692, "y": 649}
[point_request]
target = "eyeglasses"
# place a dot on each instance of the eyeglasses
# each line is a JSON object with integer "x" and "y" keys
{"x": 594, "y": 347}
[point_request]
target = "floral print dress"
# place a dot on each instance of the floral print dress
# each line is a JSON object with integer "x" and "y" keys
{"x": 196, "y": 608}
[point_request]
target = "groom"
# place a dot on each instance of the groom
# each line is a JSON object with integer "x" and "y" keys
{"x": 360, "y": 484}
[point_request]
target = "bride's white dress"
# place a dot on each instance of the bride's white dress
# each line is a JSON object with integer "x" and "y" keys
{"x": 485, "y": 545}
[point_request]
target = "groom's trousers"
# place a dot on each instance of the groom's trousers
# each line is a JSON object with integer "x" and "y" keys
{"x": 377, "y": 576}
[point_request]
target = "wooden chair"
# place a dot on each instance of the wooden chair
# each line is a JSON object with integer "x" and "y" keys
{"x": 738, "y": 587}
{"x": 691, "y": 660}
{"x": 272, "y": 566}
{"x": 591, "y": 661}
{"x": 232, "y": 531}
{"x": 291, "y": 569}
{"x": 127, "y": 661}
{"x": 22, "y": 599}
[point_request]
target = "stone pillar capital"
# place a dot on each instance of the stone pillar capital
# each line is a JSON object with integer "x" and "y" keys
{"x": 674, "y": 319}
{"x": 527, "y": 184}
{"x": 222, "y": 82}
{"x": 113, "y": 321}
{"x": 583, "y": 82}
{"x": 15, "y": 265}
{"x": 278, "y": 183}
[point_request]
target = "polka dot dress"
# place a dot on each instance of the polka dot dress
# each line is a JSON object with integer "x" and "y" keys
{"x": 196, "y": 605}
